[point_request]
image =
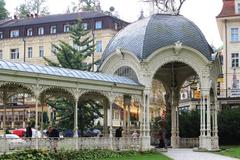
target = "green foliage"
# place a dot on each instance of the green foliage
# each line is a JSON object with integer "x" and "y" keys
{"x": 86, "y": 5}
{"x": 32, "y": 7}
{"x": 66, "y": 155}
{"x": 189, "y": 124}
{"x": 231, "y": 151}
{"x": 229, "y": 126}
{"x": 88, "y": 112}
{"x": 73, "y": 56}
{"x": 3, "y": 11}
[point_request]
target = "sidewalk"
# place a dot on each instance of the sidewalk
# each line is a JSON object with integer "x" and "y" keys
{"x": 188, "y": 154}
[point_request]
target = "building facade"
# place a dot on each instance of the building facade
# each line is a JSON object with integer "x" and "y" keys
{"x": 30, "y": 39}
{"x": 229, "y": 28}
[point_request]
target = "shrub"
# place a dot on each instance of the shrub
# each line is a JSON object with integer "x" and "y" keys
{"x": 66, "y": 155}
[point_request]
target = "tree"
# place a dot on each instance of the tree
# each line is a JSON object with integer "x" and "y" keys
{"x": 85, "y": 5}
{"x": 167, "y": 6}
{"x": 32, "y": 7}
{"x": 3, "y": 10}
{"x": 73, "y": 56}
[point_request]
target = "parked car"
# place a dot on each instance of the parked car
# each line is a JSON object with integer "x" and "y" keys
{"x": 21, "y": 132}
{"x": 14, "y": 141}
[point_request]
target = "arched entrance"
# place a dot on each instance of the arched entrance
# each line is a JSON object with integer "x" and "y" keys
{"x": 173, "y": 75}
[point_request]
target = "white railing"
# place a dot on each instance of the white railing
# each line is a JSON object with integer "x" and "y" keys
{"x": 188, "y": 142}
{"x": 124, "y": 143}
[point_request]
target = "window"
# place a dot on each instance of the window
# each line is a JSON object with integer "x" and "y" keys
{"x": 1, "y": 54}
{"x": 98, "y": 46}
{"x": 29, "y": 52}
{"x": 234, "y": 34}
{"x": 116, "y": 115}
{"x": 41, "y": 51}
{"x": 116, "y": 26}
{"x": 98, "y": 25}
{"x": 53, "y": 29}
{"x": 235, "y": 60}
{"x": 238, "y": 5}
{"x": 66, "y": 28}
{"x": 1, "y": 35}
{"x": 14, "y": 33}
{"x": 85, "y": 26}
{"x": 29, "y": 32}
{"x": 40, "y": 31}
{"x": 14, "y": 53}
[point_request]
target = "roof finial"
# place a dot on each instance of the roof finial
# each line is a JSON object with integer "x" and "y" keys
{"x": 141, "y": 15}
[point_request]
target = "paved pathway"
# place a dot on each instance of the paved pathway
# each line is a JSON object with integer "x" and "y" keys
{"x": 188, "y": 154}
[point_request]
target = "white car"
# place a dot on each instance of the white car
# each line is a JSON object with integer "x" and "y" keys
{"x": 14, "y": 141}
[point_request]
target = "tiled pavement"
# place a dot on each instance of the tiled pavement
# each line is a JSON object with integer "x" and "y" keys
{"x": 188, "y": 154}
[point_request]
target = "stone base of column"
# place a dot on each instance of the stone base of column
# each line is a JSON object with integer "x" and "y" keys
{"x": 177, "y": 142}
{"x": 205, "y": 143}
{"x": 2, "y": 125}
{"x": 145, "y": 143}
{"x": 173, "y": 141}
{"x": 215, "y": 143}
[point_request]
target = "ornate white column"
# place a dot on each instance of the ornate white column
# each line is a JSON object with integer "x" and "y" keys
{"x": 110, "y": 117}
{"x": 173, "y": 119}
{"x": 208, "y": 116}
{"x": 129, "y": 120}
{"x": 76, "y": 96}
{"x": 36, "y": 117}
{"x": 203, "y": 117}
{"x": 76, "y": 117}
{"x": 105, "y": 119}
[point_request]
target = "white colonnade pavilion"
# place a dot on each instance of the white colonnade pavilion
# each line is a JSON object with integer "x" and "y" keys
{"x": 42, "y": 82}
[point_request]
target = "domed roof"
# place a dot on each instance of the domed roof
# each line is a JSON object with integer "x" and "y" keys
{"x": 145, "y": 36}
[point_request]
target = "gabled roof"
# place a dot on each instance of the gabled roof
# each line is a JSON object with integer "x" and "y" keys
{"x": 53, "y": 18}
{"x": 63, "y": 72}
{"x": 228, "y": 9}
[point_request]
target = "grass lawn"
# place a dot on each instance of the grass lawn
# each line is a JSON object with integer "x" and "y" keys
{"x": 150, "y": 156}
{"x": 231, "y": 151}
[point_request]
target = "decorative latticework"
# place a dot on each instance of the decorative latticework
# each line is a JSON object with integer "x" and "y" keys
{"x": 128, "y": 72}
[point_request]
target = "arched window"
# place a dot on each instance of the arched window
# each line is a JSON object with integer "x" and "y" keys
{"x": 128, "y": 72}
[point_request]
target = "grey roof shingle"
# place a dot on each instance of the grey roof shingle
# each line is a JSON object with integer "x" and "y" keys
{"x": 53, "y": 18}
{"x": 63, "y": 72}
{"x": 145, "y": 36}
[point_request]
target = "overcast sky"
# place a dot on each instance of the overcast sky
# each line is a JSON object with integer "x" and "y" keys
{"x": 201, "y": 12}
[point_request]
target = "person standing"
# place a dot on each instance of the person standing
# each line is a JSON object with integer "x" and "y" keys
{"x": 29, "y": 131}
{"x": 118, "y": 136}
{"x": 53, "y": 135}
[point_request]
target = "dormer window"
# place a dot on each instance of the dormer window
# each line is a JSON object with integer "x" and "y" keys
{"x": 14, "y": 33}
{"x": 1, "y": 35}
{"x": 53, "y": 29}
{"x": 66, "y": 28}
{"x": 29, "y": 32}
{"x": 40, "y": 31}
{"x": 98, "y": 25}
{"x": 85, "y": 26}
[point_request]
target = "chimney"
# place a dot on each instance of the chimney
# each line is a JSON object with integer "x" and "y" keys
{"x": 32, "y": 16}
{"x": 36, "y": 15}
{"x": 15, "y": 17}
